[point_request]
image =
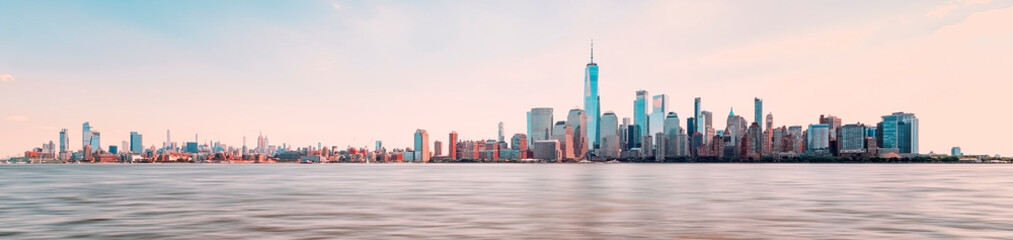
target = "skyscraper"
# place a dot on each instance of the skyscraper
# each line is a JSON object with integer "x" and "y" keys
{"x": 610, "y": 141}
{"x": 540, "y": 124}
{"x": 64, "y": 140}
{"x": 438, "y": 148}
{"x": 563, "y": 133}
{"x": 697, "y": 126}
{"x": 592, "y": 102}
{"x": 640, "y": 118}
{"x": 452, "y": 145}
{"x": 421, "y": 145}
{"x": 818, "y": 138}
{"x": 659, "y": 110}
{"x": 86, "y": 135}
{"x": 672, "y": 134}
{"x": 136, "y": 145}
{"x": 758, "y": 111}
{"x": 500, "y": 138}
{"x": 899, "y": 130}
{"x": 577, "y": 119}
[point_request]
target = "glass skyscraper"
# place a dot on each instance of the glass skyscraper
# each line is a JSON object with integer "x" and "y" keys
{"x": 539, "y": 124}
{"x": 64, "y": 140}
{"x": 592, "y": 103}
{"x": 135, "y": 143}
{"x": 640, "y": 112}
{"x": 758, "y": 111}
{"x": 696, "y": 125}
{"x": 659, "y": 109}
{"x": 899, "y": 130}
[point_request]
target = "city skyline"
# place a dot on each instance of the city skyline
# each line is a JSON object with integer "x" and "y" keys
{"x": 230, "y": 99}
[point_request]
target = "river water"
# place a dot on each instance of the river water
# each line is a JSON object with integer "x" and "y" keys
{"x": 507, "y": 201}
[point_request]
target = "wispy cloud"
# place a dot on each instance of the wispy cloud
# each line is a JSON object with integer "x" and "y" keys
{"x": 950, "y": 6}
{"x": 6, "y": 78}
{"x": 16, "y": 118}
{"x": 336, "y": 6}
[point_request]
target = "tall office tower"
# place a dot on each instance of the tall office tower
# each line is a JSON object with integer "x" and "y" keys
{"x": 437, "y": 148}
{"x": 168, "y": 138}
{"x": 708, "y": 125}
{"x": 86, "y": 135}
{"x": 768, "y": 134}
{"x": 577, "y": 119}
{"x": 610, "y": 141}
{"x": 898, "y": 130}
{"x": 624, "y": 134}
{"x": 96, "y": 141}
{"x": 540, "y": 124}
{"x": 592, "y": 102}
{"x": 519, "y": 142}
{"x": 758, "y": 110}
{"x": 136, "y": 145}
{"x": 421, "y": 145}
{"x": 833, "y": 123}
{"x": 126, "y": 146}
{"x": 672, "y": 132}
{"x": 818, "y": 138}
{"x": 379, "y": 146}
{"x": 955, "y": 151}
{"x": 852, "y": 138}
{"x": 735, "y": 127}
{"x": 64, "y": 140}
{"x": 563, "y": 133}
{"x": 691, "y": 126}
{"x": 755, "y": 139}
{"x": 659, "y": 110}
{"x": 640, "y": 114}
{"x": 500, "y": 138}
{"x": 452, "y": 145}
{"x": 797, "y": 140}
{"x": 696, "y": 116}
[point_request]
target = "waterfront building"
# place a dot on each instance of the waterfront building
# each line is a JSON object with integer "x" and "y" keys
{"x": 672, "y": 132}
{"x": 851, "y": 139}
{"x": 452, "y": 145}
{"x": 500, "y": 135}
{"x": 135, "y": 143}
{"x": 696, "y": 116}
{"x": 421, "y": 146}
{"x": 640, "y": 117}
{"x": 610, "y": 144}
{"x": 818, "y": 138}
{"x": 955, "y": 151}
{"x": 540, "y": 122}
{"x": 547, "y": 150}
{"x": 519, "y": 142}
{"x": 659, "y": 110}
{"x": 577, "y": 119}
{"x": 758, "y": 110}
{"x": 899, "y": 130}
{"x": 64, "y": 140}
{"x": 592, "y": 103}
{"x": 833, "y": 123}
{"x": 563, "y": 134}
{"x": 437, "y": 148}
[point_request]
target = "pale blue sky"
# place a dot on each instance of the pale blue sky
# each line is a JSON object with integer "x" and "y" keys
{"x": 350, "y": 72}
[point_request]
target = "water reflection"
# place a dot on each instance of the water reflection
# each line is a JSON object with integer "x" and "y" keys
{"x": 543, "y": 201}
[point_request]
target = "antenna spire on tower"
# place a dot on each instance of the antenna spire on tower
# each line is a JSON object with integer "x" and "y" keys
{"x": 592, "y": 50}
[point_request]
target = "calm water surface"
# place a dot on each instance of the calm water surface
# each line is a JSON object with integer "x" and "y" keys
{"x": 507, "y": 201}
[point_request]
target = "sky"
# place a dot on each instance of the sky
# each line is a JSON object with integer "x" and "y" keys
{"x": 348, "y": 73}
